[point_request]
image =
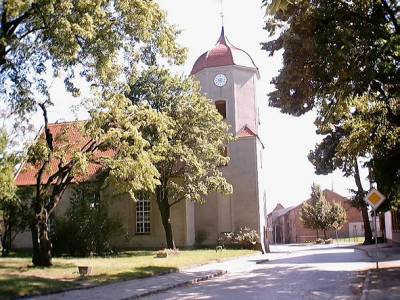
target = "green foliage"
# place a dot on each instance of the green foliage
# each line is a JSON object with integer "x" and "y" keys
{"x": 13, "y": 205}
{"x": 122, "y": 128}
{"x": 7, "y": 168}
{"x": 245, "y": 238}
{"x": 319, "y": 214}
{"x": 188, "y": 157}
{"x": 341, "y": 57}
{"x": 337, "y": 216}
{"x": 102, "y": 41}
{"x": 314, "y": 213}
{"x": 86, "y": 229}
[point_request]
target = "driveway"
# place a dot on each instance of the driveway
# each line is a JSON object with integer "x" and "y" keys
{"x": 292, "y": 272}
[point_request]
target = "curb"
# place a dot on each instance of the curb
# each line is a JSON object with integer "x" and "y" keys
{"x": 364, "y": 250}
{"x": 365, "y": 289}
{"x": 178, "y": 284}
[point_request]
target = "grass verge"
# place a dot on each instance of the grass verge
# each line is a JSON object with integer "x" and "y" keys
{"x": 19, "y": 278}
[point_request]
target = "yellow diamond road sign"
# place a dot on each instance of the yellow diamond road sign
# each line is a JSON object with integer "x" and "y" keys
{"x": 374, "y": 198}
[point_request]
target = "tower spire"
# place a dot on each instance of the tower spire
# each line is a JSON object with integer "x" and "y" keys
{"x": 222, "y": 12}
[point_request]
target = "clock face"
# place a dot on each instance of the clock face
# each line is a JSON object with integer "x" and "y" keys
{"x": 220, "y": 80}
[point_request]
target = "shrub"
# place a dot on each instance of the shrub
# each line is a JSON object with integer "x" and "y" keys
{"x": 245, "y": 238}
{"x": 167, "y": 252}
{"x": 86, "y": 228}
{"x": 328, "y": 241}
{"x": 319, "y": 241}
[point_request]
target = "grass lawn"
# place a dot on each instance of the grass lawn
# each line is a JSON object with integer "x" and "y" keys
{"x": 19, "y": 278}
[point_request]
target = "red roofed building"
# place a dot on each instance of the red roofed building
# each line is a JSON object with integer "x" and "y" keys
{"x": 66, "y": 135}
{"x": 228, "y": 76}
{"x": 286, "y": 227}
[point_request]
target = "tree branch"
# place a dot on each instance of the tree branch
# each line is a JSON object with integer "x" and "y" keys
{"x": 391, "y": 15}
{"x": 176, "y": 201}
{"x": 31, "y": 31}
{"x": 48, "y": 135}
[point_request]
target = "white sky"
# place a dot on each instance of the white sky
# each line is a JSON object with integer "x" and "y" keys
{"x": 288, "y": 140}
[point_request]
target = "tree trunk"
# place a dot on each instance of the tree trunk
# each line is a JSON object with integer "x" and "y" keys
{"x": 317, "y": 234}
{"x": 165, "y": 211}
{"x": 41, "y": 256}
{"x": 5, "y": 251}
{"x": 6, "y": 239}
{"x": 363, "y": 206}
{"x": 324, "y": 234}
{"x": 367, "y": 226}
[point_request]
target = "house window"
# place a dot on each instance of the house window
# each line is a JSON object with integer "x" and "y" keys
{"x": 396, "y": 220}
{"x": 143, "y": 216}
{"x": 221, "y": 107}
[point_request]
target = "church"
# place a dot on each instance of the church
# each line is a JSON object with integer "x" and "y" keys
{"x": 228, "y": 76}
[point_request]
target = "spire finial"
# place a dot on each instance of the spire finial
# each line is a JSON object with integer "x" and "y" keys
{"x": 222, "y": 12}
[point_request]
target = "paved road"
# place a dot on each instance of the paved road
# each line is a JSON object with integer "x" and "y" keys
{"x": 291, "y": 273}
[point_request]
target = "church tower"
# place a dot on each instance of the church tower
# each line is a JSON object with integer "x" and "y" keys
{"x": 228, "y": 76}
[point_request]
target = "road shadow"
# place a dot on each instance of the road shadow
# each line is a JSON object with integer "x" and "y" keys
{"x": 281, "y": 283}
{"x": 341, "y": 257}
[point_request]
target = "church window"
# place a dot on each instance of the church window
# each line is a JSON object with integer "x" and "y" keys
{"x": 221, "y": 107}
{"x": 143, "y": 216}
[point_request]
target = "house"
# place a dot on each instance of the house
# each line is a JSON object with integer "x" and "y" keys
{"x": 228, "y": 76}
{"x": 286, "y": 227}
{"x": 392, "y": 226}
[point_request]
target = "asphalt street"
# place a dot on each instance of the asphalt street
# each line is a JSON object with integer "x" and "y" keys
{"x": 292, "y": 272}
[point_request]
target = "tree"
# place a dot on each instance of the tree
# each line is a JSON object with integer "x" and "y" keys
{"x": 116, "y": 128}
{"x": 189, "y": 161}
{"x": 341, "y": 58}
{"x": 85, "y": 229}
{"x": 319, "y": 214}
{"x": 13, "y": 212}
{"x": 101, "y": 41}
{"x": 8, "y": 201}
{"x": 329, "y": 156}
{"x": 337, "y": 216}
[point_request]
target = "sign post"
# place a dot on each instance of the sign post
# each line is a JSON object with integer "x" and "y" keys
{"x": 375, "y": 199}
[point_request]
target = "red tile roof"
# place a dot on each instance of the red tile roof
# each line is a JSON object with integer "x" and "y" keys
{"x": 245, "y": 132}
{"x": 223, "y": 54}
{"x": 68, "y": 135}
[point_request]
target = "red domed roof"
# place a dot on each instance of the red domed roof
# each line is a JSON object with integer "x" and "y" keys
{"x": 223, "y": 54}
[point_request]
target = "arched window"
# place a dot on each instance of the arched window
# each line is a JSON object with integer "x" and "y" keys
{"x": 221, "y": 107}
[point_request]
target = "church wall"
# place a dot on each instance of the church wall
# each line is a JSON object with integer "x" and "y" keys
{"x": 230, "y": 213}
{"x": 123, "y": 208}
{"x": 245, "y": 206}
{"x": 242, "y": 173}
{"x": 245, "y": 95}
{"x": 23, "y": 240}
{"x": 227, "y": 93}
{"x": 206, "y": 221}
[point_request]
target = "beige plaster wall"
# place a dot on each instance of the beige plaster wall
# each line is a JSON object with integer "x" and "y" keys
{"x": 245, "y": 207}
{"x": 230, "y": 213}
{"x": 123, "y": 208}
{"x": 24, "y": 240}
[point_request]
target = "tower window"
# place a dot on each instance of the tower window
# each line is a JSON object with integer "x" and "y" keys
{"x": 143, "y": 216}
{"x": 221, "y": 107}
